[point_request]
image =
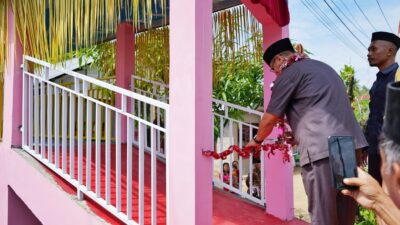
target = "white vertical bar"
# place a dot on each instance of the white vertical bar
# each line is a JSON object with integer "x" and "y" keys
{"x": 262, "y": 196}
{"x": 129, "y": 168}
{"x": 221, "y": 137}
{"x": 213, "y": 146}
{"x": 30, "y": 113}
{"x": 118, "y": 159}
{"x": 123, "y": 103}
{"x": 108, "y": 156}
{"x": 36, "y": 114}
{"x": 153, "y": 177}
{"x": 72, "y": 135}
{"x": 145, "y": 118}
{"x": 135, "y": 139}
{"x": 43, "y": 119}
{"x": 158, "y": 131}
{"x": 98, "y": 149}
{"x": 50, "y": 122}
{"x": 133, "y": 107}
{"x": 240, "y": 158}
{"x": 139, "y": 109}
{"x": 231, "y": 155}
{"x": 80, "y": 140}
{"x": 64, "y": 130}
{"x": 57, "y": 126}
{"x": 24, "y": 105}
{"x": 141, "y": 172}
{"x": 251, "y": 163}
{"x": 88, "y": 139}
{"x": 155, "y": 91}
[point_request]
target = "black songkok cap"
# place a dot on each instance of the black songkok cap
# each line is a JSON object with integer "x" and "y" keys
{"x": 276, "y": 48}
{"x": 386, "y": 36}
{"x": 391, "y": 124}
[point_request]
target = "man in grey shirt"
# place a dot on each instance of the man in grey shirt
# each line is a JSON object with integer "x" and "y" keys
{"x": 313, "y": 98}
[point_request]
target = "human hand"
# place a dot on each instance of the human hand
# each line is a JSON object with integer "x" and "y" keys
{"x": 299, "y": 48}
{"x": 252, "y": 143}
{"x": 368, "y": 190}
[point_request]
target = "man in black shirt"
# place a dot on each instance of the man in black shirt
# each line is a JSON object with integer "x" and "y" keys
{"x": 381, "y": 53}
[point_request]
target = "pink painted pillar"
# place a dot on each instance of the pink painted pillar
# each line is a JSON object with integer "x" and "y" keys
{"x": 12, "y": 117}
{"x": 189, "y": 180}
{"x": 124, "y": 65}
{"x": 278, "y": 186}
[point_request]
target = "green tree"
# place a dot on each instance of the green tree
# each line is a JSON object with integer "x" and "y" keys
{"x": 358, "y": 96}
{"x": 359, "y": 99}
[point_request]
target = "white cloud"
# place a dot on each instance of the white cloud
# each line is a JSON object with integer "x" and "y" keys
{"x": 325, "y": 46}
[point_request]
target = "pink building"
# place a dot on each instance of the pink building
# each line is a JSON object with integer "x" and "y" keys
{"x": 122, "y": 165}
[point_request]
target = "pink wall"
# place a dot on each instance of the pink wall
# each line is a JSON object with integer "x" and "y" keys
{"x": 278, "y": 185}
{"x": 12, "y": 115}
{"x": 18, "y": 211}
{"x": 189, "y": 180}
{"x": 49, "y": 203}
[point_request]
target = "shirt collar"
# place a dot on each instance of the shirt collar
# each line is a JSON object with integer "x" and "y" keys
{"x": 388, "y": 70}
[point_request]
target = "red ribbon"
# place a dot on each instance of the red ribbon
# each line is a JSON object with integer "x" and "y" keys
{"x": 280, "y": 145}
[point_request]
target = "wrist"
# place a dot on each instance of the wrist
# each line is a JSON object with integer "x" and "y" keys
{"x": 381, "y": 202}
{"x": 256, "y": 140}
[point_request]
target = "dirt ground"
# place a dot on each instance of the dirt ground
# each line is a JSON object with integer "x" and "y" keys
{"x": 299, "y": 196}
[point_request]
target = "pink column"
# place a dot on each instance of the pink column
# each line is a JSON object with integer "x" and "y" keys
{"x": 12, "y": 117}
{"x": 124, "y": 65}
{"x": 278, "y": 176}
{"x": 189, "y": 173}
{"x": 278, "y": 186}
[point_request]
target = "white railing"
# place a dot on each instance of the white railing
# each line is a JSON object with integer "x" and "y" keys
{"x": 155, "y": 90}
{"x": 242, "y": 176}
{"x": 62, "y": 125}
{"x": 247, "y": 180}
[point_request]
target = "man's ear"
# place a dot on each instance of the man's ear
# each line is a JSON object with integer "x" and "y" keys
{"x": 396, "y": 172}
{"x": 392, "y": 50}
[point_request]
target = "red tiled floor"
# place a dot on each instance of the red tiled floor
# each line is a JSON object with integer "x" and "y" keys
{"x": 228, "y": 209}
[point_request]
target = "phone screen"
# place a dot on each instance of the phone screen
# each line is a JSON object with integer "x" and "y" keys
{"x": 342, "y": 158}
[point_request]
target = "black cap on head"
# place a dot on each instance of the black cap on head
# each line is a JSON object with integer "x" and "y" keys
{"x": 386, "y": 36}
{"x": 276, "y": 48}
{"x": 391, "y": 124}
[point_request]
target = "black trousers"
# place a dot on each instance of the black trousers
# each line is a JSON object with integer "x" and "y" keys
{"x": 374, "y": 167}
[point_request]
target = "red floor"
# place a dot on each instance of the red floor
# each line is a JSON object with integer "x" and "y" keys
{"x": 228, "y": 209}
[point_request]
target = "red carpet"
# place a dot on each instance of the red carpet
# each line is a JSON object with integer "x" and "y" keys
{"x": 228, "y": 209}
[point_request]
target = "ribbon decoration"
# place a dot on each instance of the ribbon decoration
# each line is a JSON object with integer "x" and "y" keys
{"x": 283, "y": 143}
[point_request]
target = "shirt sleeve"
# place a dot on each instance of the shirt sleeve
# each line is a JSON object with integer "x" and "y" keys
{"x": 282, "y": 93}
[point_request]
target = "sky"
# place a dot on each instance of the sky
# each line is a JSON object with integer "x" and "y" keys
{"x": 325, "y": 45}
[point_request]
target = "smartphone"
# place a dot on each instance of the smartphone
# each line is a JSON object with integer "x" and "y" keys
{"x": 342, "y": 159}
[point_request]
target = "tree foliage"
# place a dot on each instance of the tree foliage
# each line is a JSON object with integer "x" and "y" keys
{"x": 358, "y": 95}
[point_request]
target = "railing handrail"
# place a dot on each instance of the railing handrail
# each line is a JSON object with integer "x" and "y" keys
{"x": 128, "y": 115}
{"x": 231, "y": 105}
{"x": 97, "y": 82}
{"x": 150, "y": 81}
{"x": 248, "y": 110}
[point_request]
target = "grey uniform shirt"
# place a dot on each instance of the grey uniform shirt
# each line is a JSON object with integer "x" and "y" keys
{"x": 313, "y": 98}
